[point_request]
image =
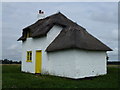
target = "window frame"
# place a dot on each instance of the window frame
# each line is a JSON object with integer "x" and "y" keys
{"x": 29, "y": 56}
{"x": 28, "y": 34}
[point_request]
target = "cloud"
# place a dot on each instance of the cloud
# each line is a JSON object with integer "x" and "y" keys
{"x": 101, "y": 16}
{"x": 13, "y": 47}
{"x": 107, "y": 13}
{"x": 13, "y": 52}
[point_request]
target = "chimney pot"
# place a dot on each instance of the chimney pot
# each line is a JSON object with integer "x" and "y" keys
{"x": 41, "y": 14}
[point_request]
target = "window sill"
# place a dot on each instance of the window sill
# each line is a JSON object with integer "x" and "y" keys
{"x": 28, "y": 60}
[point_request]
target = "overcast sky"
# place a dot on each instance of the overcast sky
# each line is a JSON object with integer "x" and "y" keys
{"x": 99, "y": 18}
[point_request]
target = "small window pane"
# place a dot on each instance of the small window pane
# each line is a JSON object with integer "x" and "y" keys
{"x": 29, "y": 55}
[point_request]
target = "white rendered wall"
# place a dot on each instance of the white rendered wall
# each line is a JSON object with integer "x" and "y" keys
{"x": 38, "y": 44}
{"x": 90, "y": 63}
{"x": 77, "y": 63}
{"x": 62, "y": 63}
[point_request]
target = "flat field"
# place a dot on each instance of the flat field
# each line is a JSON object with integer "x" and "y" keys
{"x": 12, "y": 77}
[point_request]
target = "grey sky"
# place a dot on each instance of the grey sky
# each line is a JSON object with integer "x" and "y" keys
{"x": 99, "y": 18}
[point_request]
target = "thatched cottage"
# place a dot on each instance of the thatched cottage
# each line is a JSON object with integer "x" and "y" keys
{"x": 58, "y": 46}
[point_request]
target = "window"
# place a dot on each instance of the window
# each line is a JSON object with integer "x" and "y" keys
{"x": 28, "y": 34}
{"x": 29, "y": 56}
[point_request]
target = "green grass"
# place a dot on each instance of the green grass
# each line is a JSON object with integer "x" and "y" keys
{"x": 14, "y": 78}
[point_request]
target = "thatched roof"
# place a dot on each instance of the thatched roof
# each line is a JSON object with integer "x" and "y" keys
{"x": 72, "y": 35}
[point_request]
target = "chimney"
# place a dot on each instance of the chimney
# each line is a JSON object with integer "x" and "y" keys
{"x": 41, "y": 14}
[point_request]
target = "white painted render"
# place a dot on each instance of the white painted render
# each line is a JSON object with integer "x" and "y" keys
{"x": 62, "y": 63}
{"x": 42, "y": 43}
{"x": 90, "y": 63}
{"x": 77, "y": 63}
{"x": 73, "y": 63}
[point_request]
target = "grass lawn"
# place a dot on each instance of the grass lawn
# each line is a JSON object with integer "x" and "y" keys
{"x": 12, "y": 77}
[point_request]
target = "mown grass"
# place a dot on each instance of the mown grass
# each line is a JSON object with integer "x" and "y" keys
{"x": 12, "y": 77}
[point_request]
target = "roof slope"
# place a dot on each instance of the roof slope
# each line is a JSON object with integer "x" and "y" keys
{"x": 75, "y": 38}
{"x": 72, "y": 35}
{"x": 42, "y": 26}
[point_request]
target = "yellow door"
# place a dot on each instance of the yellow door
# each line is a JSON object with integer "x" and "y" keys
{"x": 38, "y": 65}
